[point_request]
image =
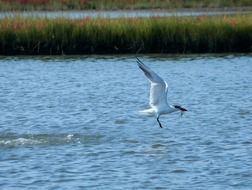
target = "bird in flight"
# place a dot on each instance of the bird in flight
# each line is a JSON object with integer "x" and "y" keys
{"x": 158, "y": 95}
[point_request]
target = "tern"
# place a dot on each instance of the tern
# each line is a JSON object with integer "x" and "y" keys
{"x": 158, "y": 95}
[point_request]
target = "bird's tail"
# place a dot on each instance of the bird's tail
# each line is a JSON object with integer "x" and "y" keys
{"x": 147, "y": 112}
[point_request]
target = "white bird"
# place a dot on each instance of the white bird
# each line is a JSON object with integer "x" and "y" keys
{"x": 158, "y": 95}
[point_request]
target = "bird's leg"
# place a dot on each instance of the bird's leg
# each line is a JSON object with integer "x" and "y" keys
{"x": 160, "y": 125}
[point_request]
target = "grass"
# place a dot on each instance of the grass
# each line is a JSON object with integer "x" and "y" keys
{"x": 126, "y": 35}
{"x": 117, "y": 4}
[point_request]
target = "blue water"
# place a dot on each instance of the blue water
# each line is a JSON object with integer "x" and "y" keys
{"x": 121, "y": 13}
{"x": 72, "y": 123}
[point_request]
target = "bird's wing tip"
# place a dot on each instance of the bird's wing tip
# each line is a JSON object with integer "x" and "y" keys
{"x": 139, "y": 62}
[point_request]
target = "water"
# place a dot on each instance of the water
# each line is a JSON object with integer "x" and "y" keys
{"x": 120, "y": 13}
{"x": 72, "y": 123}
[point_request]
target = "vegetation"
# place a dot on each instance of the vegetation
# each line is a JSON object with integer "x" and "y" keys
{"x": 126, "y": 35}
{"x": 117, "y": 4}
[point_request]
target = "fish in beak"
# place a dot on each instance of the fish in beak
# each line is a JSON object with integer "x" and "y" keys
{"x": 182, "y": 110}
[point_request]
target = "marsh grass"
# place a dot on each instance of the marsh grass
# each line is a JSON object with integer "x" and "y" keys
{"x": 126, "y": 35}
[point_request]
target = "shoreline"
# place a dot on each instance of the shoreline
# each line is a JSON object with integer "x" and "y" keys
{"x": 204, "y": 9}
{"x": 55, "y": 5}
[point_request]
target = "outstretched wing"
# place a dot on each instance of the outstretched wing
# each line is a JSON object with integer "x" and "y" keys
{"x": 159, "y": 88}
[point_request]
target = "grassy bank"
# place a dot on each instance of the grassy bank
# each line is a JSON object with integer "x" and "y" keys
{"x": 117, "y": 4}
{"x": 128, "y": 35}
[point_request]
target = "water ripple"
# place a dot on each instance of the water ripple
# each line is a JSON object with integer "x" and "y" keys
{"x": 72, "y": 122}
{"x": 48, "y": 139}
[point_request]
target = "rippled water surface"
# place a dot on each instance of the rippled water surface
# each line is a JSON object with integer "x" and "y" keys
{"x": 72, "y": 123}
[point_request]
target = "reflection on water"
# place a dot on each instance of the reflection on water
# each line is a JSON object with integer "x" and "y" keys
{"x": 72, "y": 122}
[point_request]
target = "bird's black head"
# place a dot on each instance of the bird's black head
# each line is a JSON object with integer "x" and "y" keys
{"x": 180, "y": 108}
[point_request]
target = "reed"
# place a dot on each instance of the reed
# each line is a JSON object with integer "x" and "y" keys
{"x": 117, "y": 4}
{"x": 126, "y": 35}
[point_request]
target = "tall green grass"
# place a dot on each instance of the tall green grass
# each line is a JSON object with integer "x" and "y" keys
{"x": 117, "y": 4}
{"x": 126, "y": 35}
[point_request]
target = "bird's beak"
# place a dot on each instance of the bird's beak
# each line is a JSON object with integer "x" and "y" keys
{"x": 182, "y": 109}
